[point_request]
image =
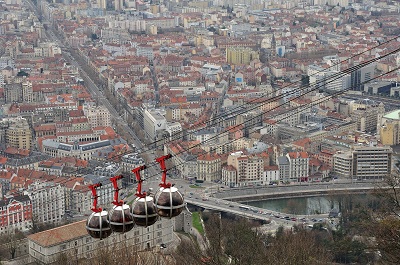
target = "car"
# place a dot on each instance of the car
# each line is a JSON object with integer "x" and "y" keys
{"x": 294, "y": 219}
{"x": 314, "y": 220}
{"x": 230, "y": 205}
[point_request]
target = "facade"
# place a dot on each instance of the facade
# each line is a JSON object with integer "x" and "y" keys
{"x": 73, "y": 240}
{"x": 81, "y": 151}
{"x": 294, "y": 167}
{"x": 249, "y": 170}
{"x": 298, "y": 166}
{"x": 97, "y": 116}
{"x": 372, "y": 162}
{"x": 209, "y": 167}
{"x": 48, "y": 202}
{"x": 367, "y": 113}
{"x": 342, "y": 164}
{"x": 271, "y": 175}
{"x": 240, "y": 55}
{"x": 19, "y": 134}
{"x": 15, "y": 213}
{"x": 389, "y": 128}
{"x": 153, "y": 121}
{"x": 363, "y": 162}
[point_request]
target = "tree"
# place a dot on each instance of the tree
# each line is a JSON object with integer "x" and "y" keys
{"x": 384, "y": 224}
{"x": 9, "y": 244}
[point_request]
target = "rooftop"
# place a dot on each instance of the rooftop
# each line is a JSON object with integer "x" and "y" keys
{"x": 394, "y": 115}
{"x": 60, "y": 234}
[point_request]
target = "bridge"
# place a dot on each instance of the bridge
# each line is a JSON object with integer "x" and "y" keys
{"x": 228, "y": 201}
{"x": 293, "y": 191}
{"x": 232, "y": 208}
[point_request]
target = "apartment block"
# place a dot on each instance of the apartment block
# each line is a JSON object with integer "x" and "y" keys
{"x": 363, "y": 162}
{"x": 243, "y": 170}
{"x": 48, "y": 202}
{"x": 15, "y": 213}
{"x": 209, "y": 167}
{"x": 372, "y": 162}
{"x": 19, "y": 134}
{"x": 388, "y": 128}
{"x": 240, "y": 55}
{"x": 97, "y": 115}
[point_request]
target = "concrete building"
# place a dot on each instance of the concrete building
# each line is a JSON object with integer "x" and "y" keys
{"x": 97, "y": 115}
{"x": 243, "y": 170}
{"x": 81, "y": 151}
{"x": 367, "y": 113}
{"x": 73, "y": 240}
{"x": 372, "y": 162}
{"x": 388, "y": 128}
{"x": 363, "y": 162}
{"x": 48, "y": 205}
{"x": 298, "y": 166}
{"x": 342, "y": 164}
{"x": 153, "y": 121}
{"x": 362, "y": 75}
{"x": 209, "y": 167}
{"x": 19, "y": 134}
{"x": 16, "y": 213}
{"x": 240, "y": 55}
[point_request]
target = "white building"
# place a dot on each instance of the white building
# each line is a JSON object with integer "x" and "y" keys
{"x": 81, "y": 151}
{"x": 97, "y": 115}
{"x": 48, "y": 202}
{"x": 153, "y": 121}
{"x": 73, "y": 240}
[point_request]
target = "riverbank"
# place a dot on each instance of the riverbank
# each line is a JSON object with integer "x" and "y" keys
{"x": 293, "y": 191}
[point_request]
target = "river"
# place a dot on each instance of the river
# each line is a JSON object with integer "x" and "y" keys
{"x": 310, "y": 205}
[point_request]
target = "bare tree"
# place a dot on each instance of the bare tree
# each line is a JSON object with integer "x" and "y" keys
{"x": 10, "y": 243}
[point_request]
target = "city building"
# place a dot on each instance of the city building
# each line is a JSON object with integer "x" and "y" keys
{"x": 19, "y": 134}
{"x": 389, "y": 129}
{"x": 367, "y": 113}
{"x": 153, "y": 121}
{"x": 85, "y": 151}
{"x": 74, "y": 241}
{"x": 15, "y": 214}
{"x": 209, "y": 167}
{"x": 97, "y": 116}
{"x": 243, "y": 170}
{"x": 373, "y": 162}
{"x": 48, "y": 202}
{"x": 363, "y": 162}
{"x": 240, "y": 55}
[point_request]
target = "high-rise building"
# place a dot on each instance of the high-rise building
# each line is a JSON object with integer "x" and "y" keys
{"x": 118, "y": 5}
{"x": 19, "y": 134}
{"x": 367, "y": 113}
{"x": 240, "y": 55}
{"x": 389, "y": 128}
{"x": 363, "y": 162}
{"x": 362, "y": 75}
{"x": 102, "y": 4}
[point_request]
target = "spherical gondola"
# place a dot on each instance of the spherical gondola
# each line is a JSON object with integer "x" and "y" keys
{"x": 143, "y": 208}
{"x": 98, "y": 225}
{"x": 144, "y": 211}
{"x": 121, "y": 219}
{"x": 168, "y": 200}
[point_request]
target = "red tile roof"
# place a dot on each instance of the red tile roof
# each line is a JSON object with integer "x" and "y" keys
{"x": 60, "y": 234}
